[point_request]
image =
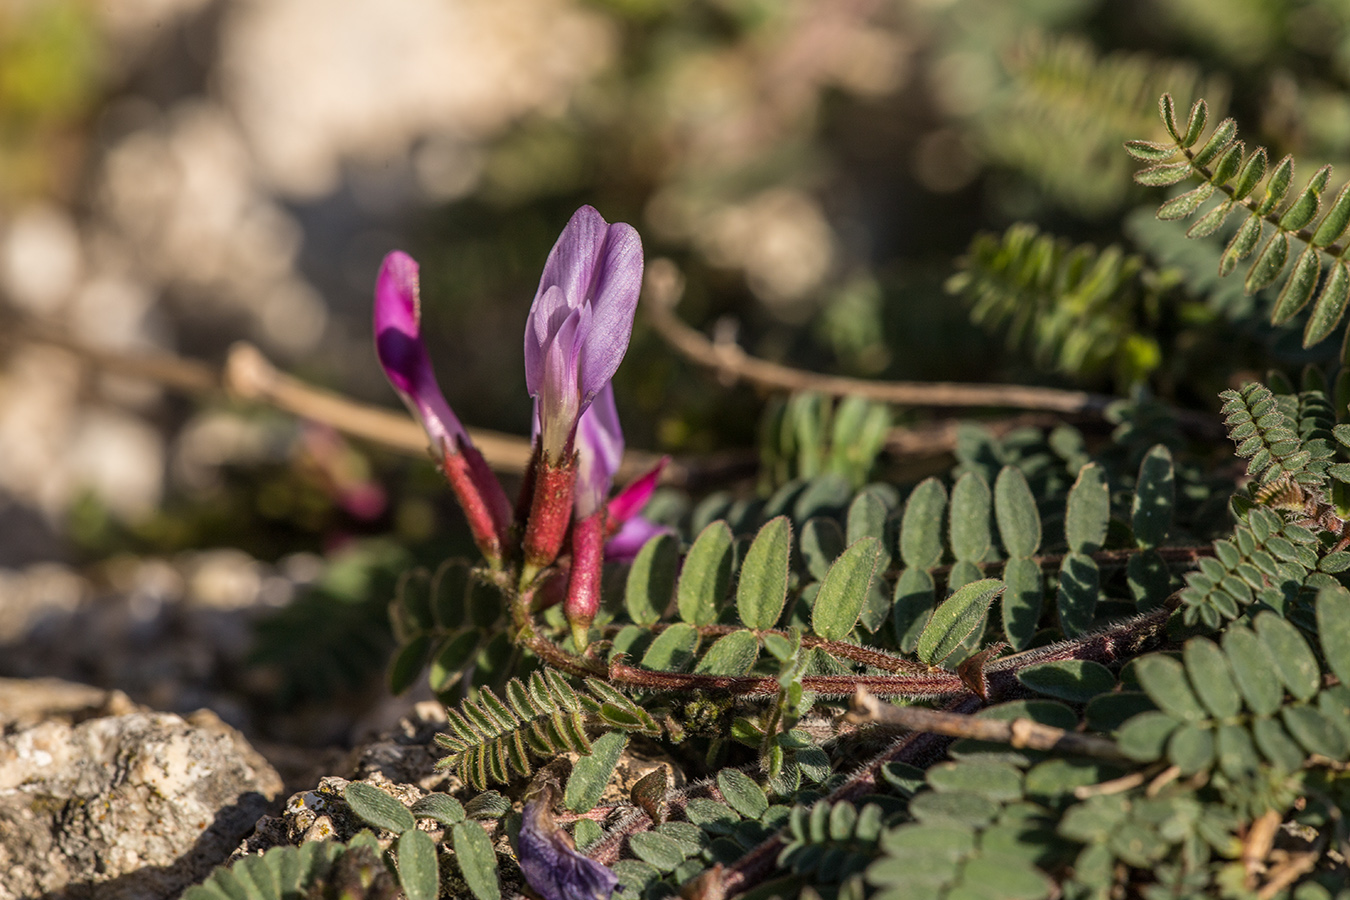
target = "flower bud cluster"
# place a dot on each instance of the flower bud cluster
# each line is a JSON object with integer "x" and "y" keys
{"x": 576, "y": 335}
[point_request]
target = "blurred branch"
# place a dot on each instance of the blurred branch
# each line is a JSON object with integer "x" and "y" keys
{"x": 248, "y": 375}
{"x": 664, "y": 287}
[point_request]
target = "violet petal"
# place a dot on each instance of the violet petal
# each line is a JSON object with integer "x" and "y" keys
{"x": 631, "y": 537}
{"x": 599, "y": 452}
{"x": 553, "y": 868}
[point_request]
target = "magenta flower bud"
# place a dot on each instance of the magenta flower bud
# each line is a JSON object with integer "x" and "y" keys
{"x": 584, "y": 579}
{"x": 398, "y": 344}
{"x": 551, "y": 864}
{"x": 580, "y": 322}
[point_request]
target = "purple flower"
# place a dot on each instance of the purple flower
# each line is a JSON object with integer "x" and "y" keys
{"x": 398, "y": 343}
{"x": 599, "y": 446}
{"x": 551, "y": 864}
{"x": 631, "y": 537}
{"x": 580, "y": 322}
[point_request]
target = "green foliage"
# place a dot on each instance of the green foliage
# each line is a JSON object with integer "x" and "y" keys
{"x": 1273, "y": 220}
{"x": 810, "y": 435}
{"x": 1077, "y": 309}
{"x": 317, "y": 869}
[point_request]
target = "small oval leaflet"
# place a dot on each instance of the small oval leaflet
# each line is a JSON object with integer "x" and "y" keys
{"x": 1154, "y": 497}
{"x": 1075, "y": 680}
{"x": 591, "y": 772}
{"x": 1088, "y": 510}
{"x": 742, "y": 794}
{"x": 706, "y": 576}
{"x": 1019, "y": 524}
{"x": 956, "y": 618}
{"x": 477, "y": 860}
{"x": 651, "y": 579}
{"x": 378, "y": 808}
{"x": 764, "y": 576}
{"x": 921, "y": 526}
{"x": 971, "y": 505}
{"x": 441, "y": 807}
{"x": 418, "y": 871}
{"x": 845, "y": 589}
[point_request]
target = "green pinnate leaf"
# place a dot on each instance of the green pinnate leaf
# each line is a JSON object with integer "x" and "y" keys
{"x": 1195, "y": 123}
{"x": 1242, "y": 244}
{"x": 971, "y": 505}
{"x": 1298, "y": 289}
{"x": 1333, "y": 630}
{"x": 1144, "y": 737}
{"x": 1148, "y": 151}
{"x": 651, "y": 579}
{"x": 1253, "y": 170}
{"x": 1333, "y": 223}
{"x": 742, "y": 794}
{"x": 408, "y": 662}
{"x": 1185, "y": 205}
{"x": 1023, "y": 598}
{"x": 1277, "y": 186}
{"x": 1330, "y": 305}
{"x": 706, "y": 577}
{"x": 956, "y": 618}
{"x": 1253, "y": 664}
{"x": 1079, "y": 587}
{"x": 1191, "y": 748}
{"x": 915, "y": 598}
{"x": 1269, "y": 263}
{"x": 377, "y": 808}
{"x": 821, "y": 543}
{"x": 477, "y": 860}
{"x": 592, "y": 772}
{"x": 1075, "y": 680}
{"x": 921, "y": 526}
{"x": 1164, "y": 174}
{"x": 1211, "y": 677}
{"x": 732, "y": 654}
{"x": 764, "y": 575}
{"x": 1211, "y": 221}
{"x": 1164, "y": 679}
{"x": 1223, "y": 135}
{"x": 1154, "y": 497}
{"x": 418, "y": 871}
{"x": 1019, "y": 522}
{"x": 1228, "y": 164}
{"x": 1167, "y": 110}
{"x": 1294, "y": 660}
{"x": 673, "y": 650}
{"x": 1088, "y": 511}
{"x": 440, "y": 807}
{"x": 845, "y": 589}
{"x": 1305, "y": 206}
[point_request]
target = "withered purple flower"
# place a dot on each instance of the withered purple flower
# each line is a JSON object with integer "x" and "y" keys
{"x": 398, "y": 343}
{"x": 551, "y": 864}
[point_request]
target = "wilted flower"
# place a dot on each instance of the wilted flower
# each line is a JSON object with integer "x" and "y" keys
{"x": 551, "y": 864}
{"x": 398, "y": 343}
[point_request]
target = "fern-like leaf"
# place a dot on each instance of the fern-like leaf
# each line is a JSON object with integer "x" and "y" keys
{"x": 489, "y": 739}
{"x": 1280, "y": 223}
{"x": 1079, "y": 309}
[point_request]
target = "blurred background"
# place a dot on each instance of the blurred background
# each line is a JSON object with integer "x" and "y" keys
{"x": 179, "y": 175}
